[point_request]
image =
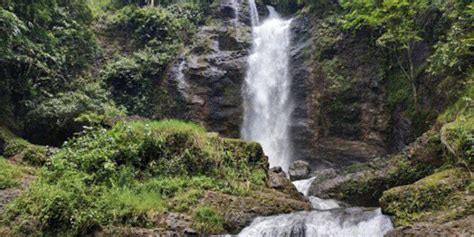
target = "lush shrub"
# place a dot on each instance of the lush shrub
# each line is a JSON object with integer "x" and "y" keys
{"x": 52, "y": 120}
{"x": 135, "y": 81}
{"x": 123, "y": 175}
{"x": 44, "y": 46}
{"x": 157, "y": 25}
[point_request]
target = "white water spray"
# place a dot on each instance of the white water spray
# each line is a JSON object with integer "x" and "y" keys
{"x": 352, "y": 222}
{"x": 267, "y": 102}
{"x": 253, "y": 13}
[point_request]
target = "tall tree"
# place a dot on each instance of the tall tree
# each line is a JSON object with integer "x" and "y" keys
{"x": 397, "y": 21}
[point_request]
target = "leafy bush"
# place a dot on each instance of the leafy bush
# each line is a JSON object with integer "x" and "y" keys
{"x": 12, "y": 145}
{"x": 153, "y": 24}
{"x": 123, "y": 175}
{"x": 55, "y": 119}
{"x": 44, "y": 46}
{"x": 137, "y": 81}
{"x": 134, "y": 81}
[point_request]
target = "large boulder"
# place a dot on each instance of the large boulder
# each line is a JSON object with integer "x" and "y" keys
{"x": 299, "y": 170}
{"x": 279, "y": 181}
{"x": 363, "y": 184}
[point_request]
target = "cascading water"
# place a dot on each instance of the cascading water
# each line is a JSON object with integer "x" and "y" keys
{"x": 253, "y": 13}
{"x": 267, "y": 112}
{"x": 328, "y": 220}
{"x": 266, "y": 92}
{"x": 352, "y": 222}
{"x": 303, "y": 185}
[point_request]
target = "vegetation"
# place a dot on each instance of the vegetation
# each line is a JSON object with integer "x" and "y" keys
{"x": 438, "y": 192}
{"x": 14, "y": 146}
{"x": 10, "y": 174}
{"x": 122, "y": 175}
{"x": 70, "y": 69}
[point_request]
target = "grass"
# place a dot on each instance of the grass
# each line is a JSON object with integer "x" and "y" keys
{"x": 10, "y": 174}
{"x": 208, "y": 220}
{"x": 123, "y": 175}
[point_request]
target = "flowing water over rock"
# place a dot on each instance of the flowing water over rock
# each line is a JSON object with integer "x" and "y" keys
{"x": 328, "y": 220}
{"x": 266, "y": 92}
{"x": 303, "y": 185}
{"x": 351, "y": 222}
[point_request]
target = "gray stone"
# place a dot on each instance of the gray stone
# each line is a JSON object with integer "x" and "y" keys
{"x": 299, "y": 170}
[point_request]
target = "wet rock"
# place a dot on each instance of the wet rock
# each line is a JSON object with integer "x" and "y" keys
{"x": 299, "y": 170}
{"x": 239, "y": 212}
{"x": 363, "y": 184}
{"x": 213, "y": 69}
{"x": 279, "y": 181}
{"x": 340, "y": 117}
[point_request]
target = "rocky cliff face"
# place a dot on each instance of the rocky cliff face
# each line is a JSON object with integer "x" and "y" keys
{"x": 340, "y": 117}
{"x": 209, "y": 73}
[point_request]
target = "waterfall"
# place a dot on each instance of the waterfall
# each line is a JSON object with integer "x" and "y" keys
{"x": 182, "y": 83}
{"x": 267, "y": 112}
{"x": 266, "y": 91}
{"x": 253, "y": 13}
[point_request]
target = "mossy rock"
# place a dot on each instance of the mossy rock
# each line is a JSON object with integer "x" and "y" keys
{"x": 363, "y": 185}
{"x": 408, "y": 203}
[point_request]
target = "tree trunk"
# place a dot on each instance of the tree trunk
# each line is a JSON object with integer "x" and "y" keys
{"x": 152, "y": 3}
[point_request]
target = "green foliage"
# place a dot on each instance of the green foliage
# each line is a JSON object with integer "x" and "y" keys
{"x": 290, "y": 6}
{"x": 157, "y": 33}
{"x": 409, "y": 203}
{"x": 458, "y": 128}
{"x": 123, "y": 175}
{"x": 134, "y": 81}
{"x": 55, "y": 119}
{"x": 453, "y": 53}
{"x": 12, "y": 145}
{"x": 156, "y": 26}
{"x": 10, "y": 175}
{"x": 45, "y": 45}
{"x": 208, "y": 220}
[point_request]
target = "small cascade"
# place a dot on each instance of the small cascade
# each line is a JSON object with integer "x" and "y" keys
{"x": 354, "y": 222}
{"x": 323, "y": 204}
{"x": 266, "y": 92}
{"x": 303, "y": 185}
{"x": 328, "y": 220}
{"x": 182, "y": 83}
{"x": 178, "y": 75}
{"x": 253, "y": 13}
